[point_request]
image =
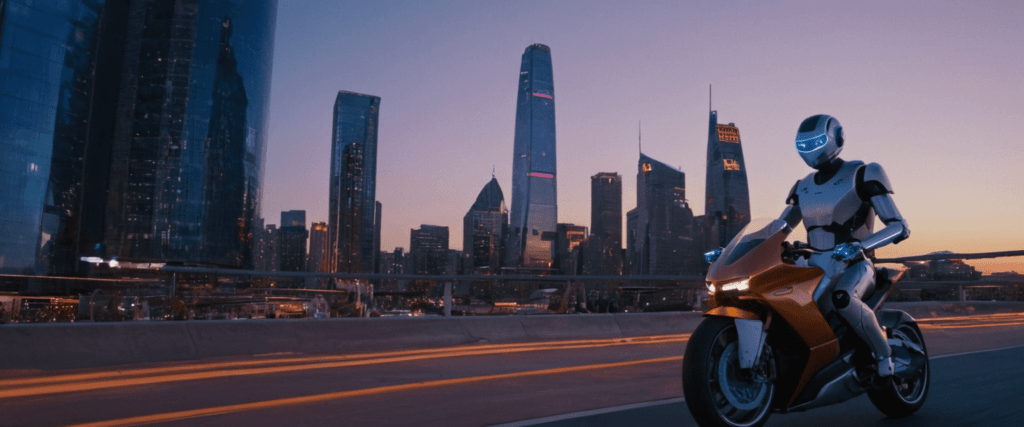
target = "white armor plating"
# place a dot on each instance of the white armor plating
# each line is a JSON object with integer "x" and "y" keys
{"x": 834, "y": 205}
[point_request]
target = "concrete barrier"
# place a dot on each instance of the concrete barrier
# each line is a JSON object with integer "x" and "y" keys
{"x": 81, "y": 345}
{"x": 933, "y": 309}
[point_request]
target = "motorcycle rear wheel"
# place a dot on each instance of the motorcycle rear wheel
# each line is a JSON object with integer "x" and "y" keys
{"x": 901, "y": 397}
{"x": 716, "y": 392}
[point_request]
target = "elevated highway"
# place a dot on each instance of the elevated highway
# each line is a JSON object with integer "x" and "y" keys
{"x": 524, "y": 382}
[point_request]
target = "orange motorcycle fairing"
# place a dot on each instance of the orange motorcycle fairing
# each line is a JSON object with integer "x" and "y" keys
{"x": 733, "y": 312}
{"x": 788, "y": 290}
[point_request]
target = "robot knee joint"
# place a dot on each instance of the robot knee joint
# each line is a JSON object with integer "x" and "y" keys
{"x": 840, "y": 299}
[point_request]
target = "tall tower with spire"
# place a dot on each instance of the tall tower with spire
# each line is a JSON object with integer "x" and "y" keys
{"x": 727, "y": 196}
{"x": 534, "y": 211}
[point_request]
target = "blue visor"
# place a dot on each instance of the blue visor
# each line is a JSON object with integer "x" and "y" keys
{"x": 811, "y": 144}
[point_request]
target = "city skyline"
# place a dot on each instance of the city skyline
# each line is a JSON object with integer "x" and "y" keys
{"x": 929, "y": 93}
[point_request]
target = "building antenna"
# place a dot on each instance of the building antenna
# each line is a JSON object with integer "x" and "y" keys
{"x": 640, "y": 136}
{"x": 709, "y": 98}
{"x": 492, "y": 171}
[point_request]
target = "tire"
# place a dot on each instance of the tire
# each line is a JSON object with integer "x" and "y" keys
{"x": 901, "y": 397}
{"x": 714, "y": 392}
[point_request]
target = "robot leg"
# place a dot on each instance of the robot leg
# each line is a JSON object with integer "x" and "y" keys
{"x": 846, "y": 297}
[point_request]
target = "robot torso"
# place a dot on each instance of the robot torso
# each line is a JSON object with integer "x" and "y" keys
{"x": 833, "y": 212}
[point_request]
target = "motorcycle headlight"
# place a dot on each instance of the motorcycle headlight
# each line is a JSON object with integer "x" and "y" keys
{"x": 735, "y": 286}
{"x": 711, "y": 287}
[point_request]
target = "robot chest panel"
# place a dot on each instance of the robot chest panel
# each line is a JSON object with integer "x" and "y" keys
{"x": 835, "y": 201}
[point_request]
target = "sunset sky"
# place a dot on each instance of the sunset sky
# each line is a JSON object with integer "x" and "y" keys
{"x": 933, "y": 92}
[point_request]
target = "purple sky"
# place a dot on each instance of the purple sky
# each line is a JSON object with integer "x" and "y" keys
{"x": 932, "y": 92}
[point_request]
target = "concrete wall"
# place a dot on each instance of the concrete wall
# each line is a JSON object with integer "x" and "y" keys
{"x": 79, "y": 345}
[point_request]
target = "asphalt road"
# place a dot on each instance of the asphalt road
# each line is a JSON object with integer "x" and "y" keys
{"x": 976, "y": 389}
{"x": 484, "y": 384}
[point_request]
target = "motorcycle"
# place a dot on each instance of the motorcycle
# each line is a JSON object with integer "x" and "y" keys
{"x": 772, "y": 342}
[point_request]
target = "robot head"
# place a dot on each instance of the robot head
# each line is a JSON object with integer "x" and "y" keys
{"x": 819, "y": 140}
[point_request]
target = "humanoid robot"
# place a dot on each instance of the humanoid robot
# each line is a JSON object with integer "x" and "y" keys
{"x": 837, "y": 204}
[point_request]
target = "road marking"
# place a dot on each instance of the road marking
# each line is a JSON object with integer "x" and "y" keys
{"x": 582, "y": 414}
{"x": 118, "y": 373}
{"x": 276, "y": 403}
{"x": 134, "y": 380}
{"x": 967, "y": 353}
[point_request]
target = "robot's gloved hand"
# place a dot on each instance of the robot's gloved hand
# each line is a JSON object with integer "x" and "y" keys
{"x": 712, "y": 256}
{"x": 848, "y": 251}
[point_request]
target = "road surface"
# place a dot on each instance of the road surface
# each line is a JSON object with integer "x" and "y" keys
{"x": 487, "y": 384}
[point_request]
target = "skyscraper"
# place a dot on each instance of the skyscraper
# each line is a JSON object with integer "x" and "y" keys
{"x": 291, "y": 239}
{"x": 317, "y": 247}
{"x": 604, "y": 246}
{"x": 664, "y": 222}
{"x": 352, "y": 223}
{"x": 428, "y": 247}
{"x": 727, "y": 198}
{"x": 534, "y": 210}
{"x": 569, "y": 241}
{"x": 484, "y": 229}
{"x": 131, "y": 129}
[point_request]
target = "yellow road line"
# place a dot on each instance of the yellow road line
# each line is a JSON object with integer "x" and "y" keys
{"x": 267, "y": 404}
{"x": 193, "y": 376}
{"x": 324, "y": 358}
{"x": 980, "y": 325}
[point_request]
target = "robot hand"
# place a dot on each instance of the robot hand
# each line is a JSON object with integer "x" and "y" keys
{"x": 847, "y": 252}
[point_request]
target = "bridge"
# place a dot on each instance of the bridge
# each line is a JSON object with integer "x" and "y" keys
{"x": 597, "y": 369}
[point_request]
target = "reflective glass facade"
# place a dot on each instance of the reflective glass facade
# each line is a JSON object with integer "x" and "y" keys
{"x": 534, "y": 211}
{"x": 727, "y": 198}
{"x": 605, "y": 241}
{"x": 484, "y": 229}
{"x": 48, "y": 54}
{"x": 352, "y": 225}
{"x": 664, "y": 222}
{"x": 131, "y": 128}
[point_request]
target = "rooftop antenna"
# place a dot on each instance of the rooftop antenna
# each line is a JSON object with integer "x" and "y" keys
{"x": 709, "y": 98}
{"x": 492, "y": 171}
{"x": 640, "y": 136}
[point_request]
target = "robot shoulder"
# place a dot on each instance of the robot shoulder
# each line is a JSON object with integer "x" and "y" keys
{"x": 872, "y": 181}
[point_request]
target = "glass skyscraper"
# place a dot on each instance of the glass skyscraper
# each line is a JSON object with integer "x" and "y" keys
{"x": 133, "y": 129}
{"x": 727, "y": 198}
{"x": 484, "y": 229}
{"x": 604, "y": 246}
{"x": 353, "y": 236}
{"x": 534, "y": 211}
{"x": 663, "y": 225}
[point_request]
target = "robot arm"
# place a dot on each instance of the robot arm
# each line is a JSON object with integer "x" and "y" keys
{"x": 878, "y": 190}
{"x": 792, "y": 214}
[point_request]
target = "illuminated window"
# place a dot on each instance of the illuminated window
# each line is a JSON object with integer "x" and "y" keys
{"x": 728, "y": 133}
{"x": 731, "y": 165}
{"x": 647, "y": 167}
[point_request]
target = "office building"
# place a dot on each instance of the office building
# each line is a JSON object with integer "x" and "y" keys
{"x": 662, "y": 231}
{"x": 292, "y": 241}
{"x": 132, "y": 129}
{"x": 267, "y": 258}
{"x": 727, "y": 197}
{"x": 315, "y": 261}
{"x": 353, "y": 239}
{"x": 534, "y": 211}
{"x": 569, "y": 240}
{"x": 484, "y": 229}
{"x": 604, "y": 245}
{"x": 428, "y": 247}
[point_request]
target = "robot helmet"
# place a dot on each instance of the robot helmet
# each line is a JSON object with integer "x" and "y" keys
{"x": 819, "y": 140}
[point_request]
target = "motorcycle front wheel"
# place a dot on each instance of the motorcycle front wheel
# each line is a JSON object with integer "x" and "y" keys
{"x": 717, "y": 391}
